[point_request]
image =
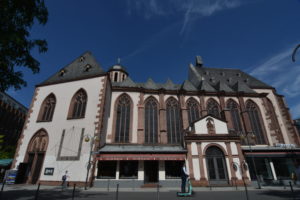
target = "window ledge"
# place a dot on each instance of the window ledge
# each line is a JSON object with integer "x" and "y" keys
{"x": 39, "y": 121}
{"x": 71, "y": 118}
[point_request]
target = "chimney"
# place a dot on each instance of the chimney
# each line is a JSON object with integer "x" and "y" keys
{"x": 199, "y": 62}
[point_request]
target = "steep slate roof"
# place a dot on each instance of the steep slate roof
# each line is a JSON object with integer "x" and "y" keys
{"x": 228, "y": 76}
{"x": 188, "y": 86}
{"x": 206, "y": 79}
{"x": 12, "y": 102}
{"x": 77, "y": 70}
{"x": 151, "y": 85}
{"x": 126, "y": 83}
{"x": 242, "y": 87}
{"x": 221, "y": 86}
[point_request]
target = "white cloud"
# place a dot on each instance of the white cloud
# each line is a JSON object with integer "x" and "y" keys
{"x": 186, "y": 9}
{"x": 283, "y": 74}
{"x": 295, "y": 110}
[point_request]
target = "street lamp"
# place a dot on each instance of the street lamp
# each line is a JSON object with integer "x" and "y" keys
{"x": 243, "y": 136}
{"x": 92, "y": 140}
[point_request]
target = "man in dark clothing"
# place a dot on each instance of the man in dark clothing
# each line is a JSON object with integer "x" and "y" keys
{"x": 184, "y": 176}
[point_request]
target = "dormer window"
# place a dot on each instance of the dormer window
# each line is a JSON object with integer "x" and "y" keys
{"x": 62, "y": 72}
{"x": 81, "y": 59}
{"x": 87, "y": 67}
{"x": 238, "y": 74}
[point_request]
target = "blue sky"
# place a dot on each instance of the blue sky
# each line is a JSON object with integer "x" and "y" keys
{"x": 159, "y": 38}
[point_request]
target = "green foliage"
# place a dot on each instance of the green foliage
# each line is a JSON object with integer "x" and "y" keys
{"x": 7, "y": 152}
{"x": 16, "y": 19}
{"x": 1, "y": 139}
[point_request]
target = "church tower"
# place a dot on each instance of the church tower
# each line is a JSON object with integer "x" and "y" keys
{"x": 117, "y": 73}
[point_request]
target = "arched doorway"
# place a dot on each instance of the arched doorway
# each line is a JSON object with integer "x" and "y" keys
{"x": 35, "y": 155}
{"x": 216, "y": 166}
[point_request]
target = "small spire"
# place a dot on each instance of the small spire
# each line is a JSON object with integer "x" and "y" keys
{"x": 119, "y": 61}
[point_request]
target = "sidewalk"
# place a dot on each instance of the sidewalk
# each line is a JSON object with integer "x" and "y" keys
{"x": 28, "y": 192}
{"x": 162, "y": 189}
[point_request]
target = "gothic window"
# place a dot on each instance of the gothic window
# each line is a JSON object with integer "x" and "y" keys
{"x": 235, "y": 115}
{"x": 193, "y": 110}
{"x": 173, "y": 122}
{"x": 78, "y": 105}
{"x": 123, "y": 119}
{"x": 213, "y": 108}
{"x": 47, "y": 109}
{"x": 254, "y": 117}
{"x": 151, "y": 127}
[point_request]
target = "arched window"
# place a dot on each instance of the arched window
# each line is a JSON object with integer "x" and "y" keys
{"x": 47, "y": 109}
{"x": 123, "y": 119}
{"x": 193, "y": 110}
{"x": 151, "y": 116}
{"x": 216, "y": 165}
{"x": 254, "y": 117}
{"x": 173, "y": 121}
{"x": 213, "y": 108}
{"x": 78, "y": 105}
{"x": 235, "y": 115}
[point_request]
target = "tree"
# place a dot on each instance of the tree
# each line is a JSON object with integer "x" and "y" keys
{"x": 16, "y": 19}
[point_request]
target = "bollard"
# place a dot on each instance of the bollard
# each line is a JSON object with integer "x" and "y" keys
{"x": 108, "y": 182}
{"x": 1, "y": 192}
{"x": 3, "y": 183}
{"x": 73, "y": 193}
{"x": 157, "y": 191}
{"x": 37, "y": 192}
{"x": 246, "y": 190}
{"x": 117, "y": 192}
{"x": 291, "y": 186}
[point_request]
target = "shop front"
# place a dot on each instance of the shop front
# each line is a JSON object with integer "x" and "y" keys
{"x": 272, "y": 165}
{"x": 140, "y": 168}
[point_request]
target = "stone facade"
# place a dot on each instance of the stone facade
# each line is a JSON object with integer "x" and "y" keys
{"x": 217, "y": 122}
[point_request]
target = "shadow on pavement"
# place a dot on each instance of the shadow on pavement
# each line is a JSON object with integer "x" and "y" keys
{"x": 48, "y": 194}
{"x": 282, "y": 194}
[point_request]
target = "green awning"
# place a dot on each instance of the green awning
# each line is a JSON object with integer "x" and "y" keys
{"x": 5, "y": 162}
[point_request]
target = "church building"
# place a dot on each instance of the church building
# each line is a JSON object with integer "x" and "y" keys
{"x": 104, "y": 128}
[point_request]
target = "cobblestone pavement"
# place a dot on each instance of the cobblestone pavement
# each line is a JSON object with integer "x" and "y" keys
{"x": 27, "y": 192}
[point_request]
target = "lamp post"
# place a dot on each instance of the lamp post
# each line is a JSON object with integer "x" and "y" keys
{"x": 92, "y": 140}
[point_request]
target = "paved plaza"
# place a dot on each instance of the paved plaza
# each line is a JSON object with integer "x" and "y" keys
{"x": 28, "y": 192}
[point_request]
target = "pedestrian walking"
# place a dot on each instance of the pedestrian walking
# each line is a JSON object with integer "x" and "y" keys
{"x": 65, "y": 179}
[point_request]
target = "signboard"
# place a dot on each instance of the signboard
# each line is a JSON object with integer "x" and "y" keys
{"x": 10, "y": 176}
{"x": 49, "y": 171}
{"x": 141, "y": 157}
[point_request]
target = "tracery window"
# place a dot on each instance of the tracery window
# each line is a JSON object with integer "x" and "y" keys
{"x": 151, "y": 118}
{"x": 193, "y": 110}
{"x": 173, "y": 122}
{"x": 47, "y": 109}
{"x": 235, "y": 115}
{"x": 254, "y": 117}
{"x": 123, "y": 119}
{"x": 78, "y": 105}
{"x": 213, "y": 108}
